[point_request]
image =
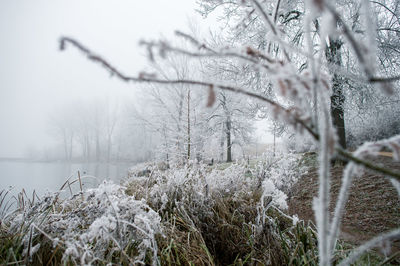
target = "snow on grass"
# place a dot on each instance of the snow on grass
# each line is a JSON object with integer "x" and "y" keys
{"x": 90, "y": 222}
{"x": 123, "y": 222}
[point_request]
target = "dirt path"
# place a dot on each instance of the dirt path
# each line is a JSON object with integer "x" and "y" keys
{"x": 373, "y": 206}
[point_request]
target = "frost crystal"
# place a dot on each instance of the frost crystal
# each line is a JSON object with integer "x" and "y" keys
{"x": 88, "y": 224}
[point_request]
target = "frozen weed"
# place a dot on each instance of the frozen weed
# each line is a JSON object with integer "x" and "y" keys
{"x": 97, "y": 225}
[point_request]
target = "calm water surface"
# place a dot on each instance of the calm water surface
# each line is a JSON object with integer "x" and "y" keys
{"x": 41, "y": 177}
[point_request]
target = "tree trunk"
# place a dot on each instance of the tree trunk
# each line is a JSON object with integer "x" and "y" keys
{"x": 333, "y": 56}
{"x": 109, "y": 145}
{"x": 274, "y": 139}
{"x": 228, "y": 141}
{"x": 88, "y": 151}
{"x": 65, "y": 145}
{"x": 221, "y": 144}
{"x": 337, "y": 102}
{"x": 188, "y": 125}
{"x": 71, "y": 144}
{"x": 97, "y": 147}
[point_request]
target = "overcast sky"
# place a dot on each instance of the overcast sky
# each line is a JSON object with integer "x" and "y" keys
{"x": 35, "y": 76}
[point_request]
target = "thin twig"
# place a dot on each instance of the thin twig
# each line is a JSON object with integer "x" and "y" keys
{"x": 80, "y": 184}
{"x": 267, "y": 19}
{"x": 383, "y": 79}
{"x": 230, "y": 54}
{"x": 278, "y": 3}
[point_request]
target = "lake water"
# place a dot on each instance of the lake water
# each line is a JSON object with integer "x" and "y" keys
{"x": 41, "y": 177}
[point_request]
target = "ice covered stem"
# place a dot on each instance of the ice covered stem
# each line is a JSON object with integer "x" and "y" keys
{"x": 348, "y": 175}
{"x": 396, "y": 184}
{"x": 379, "y": 240}
{"x": 321, "y": 204}
{"x": 350, "y": 171}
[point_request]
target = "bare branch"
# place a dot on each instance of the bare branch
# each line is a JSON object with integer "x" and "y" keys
{"x": 354, "y": 44}
{"x": 252, "y": 55}
{"x": 278, "y": 3}
{"x": 388, "y": 9}
{"x": 383, "y": 79}
{"x": 267, "y": 19}
{"x": 143, "y": 78}
{"x": 211, "y": 53}
{"x": 265, "y": 16}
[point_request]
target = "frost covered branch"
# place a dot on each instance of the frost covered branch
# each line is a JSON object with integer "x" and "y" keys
{"x": 268, "y": 21}
{"x": 351, "y": 170}
{"x": 367, "y": 164}
{"x": 288, "y": 113}
{"x": 211, "y": 53}
{"x": 358, "y": 50}
{"x": 377, "y": 241}
{"x": 146, "y": 78}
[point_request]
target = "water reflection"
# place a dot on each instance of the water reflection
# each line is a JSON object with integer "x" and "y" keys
{"x": 42, "y": 177}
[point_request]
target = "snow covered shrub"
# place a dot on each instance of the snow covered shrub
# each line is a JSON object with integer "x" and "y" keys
{"x": 191, "y": 215}
{"x": 194, "y": 184}
{"x": 298, "y": 143}
{"x": 233, "y": 181}
{"x": 200, "y": 183}
{"x": 163, "y": 189}
{"x": 278, "y": 198}
{"x": 283, "y": 170}
{"x": 370, "y": 126}
{"x": 215, "y": 208}
{"x": 97, "y": 225}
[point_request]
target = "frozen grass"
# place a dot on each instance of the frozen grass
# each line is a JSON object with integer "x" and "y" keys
{"x": 194, "y": 215}
{"x": 97, "y": 225}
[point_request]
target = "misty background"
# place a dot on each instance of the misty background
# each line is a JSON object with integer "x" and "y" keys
{"x": 44, "y": 93}
{"x": 35, "y": 77}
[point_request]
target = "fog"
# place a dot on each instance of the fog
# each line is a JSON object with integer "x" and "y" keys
{"x": 35, "y": 78}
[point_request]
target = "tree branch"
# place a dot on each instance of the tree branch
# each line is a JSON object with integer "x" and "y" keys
{"x": 255, "y": 54}
{"x": 145, "y": 78}
{"x": 267, "y": 19}
{"x": 349, "y": 157}
{"x": 354, "y": 44}
{"x": 278, "y": 3}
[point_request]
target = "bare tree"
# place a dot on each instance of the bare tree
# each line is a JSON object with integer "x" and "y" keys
{"x": 89, "y": 126}
{"x": 63, "y": 126}
{"x": 175, "y": 114}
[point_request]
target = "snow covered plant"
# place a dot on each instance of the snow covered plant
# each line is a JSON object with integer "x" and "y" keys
{"x": 197, "y": 185}
{"x": 97, "y": 225}
{"x": 283, "y": 169}
{"x": 219, "y": 206}
{"x": 296, "y": 60}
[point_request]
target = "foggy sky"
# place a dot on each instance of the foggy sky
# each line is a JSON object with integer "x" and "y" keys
{"x": 35, "y": 76}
